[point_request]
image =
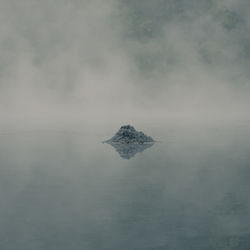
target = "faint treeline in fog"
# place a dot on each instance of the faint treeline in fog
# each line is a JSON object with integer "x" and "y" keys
{"x": 135, "y": 56}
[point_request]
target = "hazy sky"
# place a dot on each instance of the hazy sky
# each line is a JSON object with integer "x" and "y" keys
{"x": 117, "y": 57}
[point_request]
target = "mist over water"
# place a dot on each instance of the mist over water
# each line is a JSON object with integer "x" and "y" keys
{"x": 95, "y": 58}
{"x": 64, "y": 190}
{"x": 72, "y": 72}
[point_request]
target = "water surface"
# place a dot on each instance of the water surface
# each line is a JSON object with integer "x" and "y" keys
{"x": 66, "y": 190}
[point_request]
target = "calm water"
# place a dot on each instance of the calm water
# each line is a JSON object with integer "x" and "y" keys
{"x": 65, "y": 190}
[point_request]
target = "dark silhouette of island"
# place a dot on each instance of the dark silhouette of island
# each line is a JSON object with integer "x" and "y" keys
{"x": 127, "y": 135}
{"x": 128, "y": 141}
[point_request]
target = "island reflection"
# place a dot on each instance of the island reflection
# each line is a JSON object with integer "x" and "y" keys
{"x": 129, "y": 150}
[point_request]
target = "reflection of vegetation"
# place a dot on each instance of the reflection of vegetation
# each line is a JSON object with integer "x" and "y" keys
{"x": 128, "y": 151}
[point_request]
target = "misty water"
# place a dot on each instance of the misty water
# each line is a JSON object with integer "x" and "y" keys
{"x": 65, "y": 189}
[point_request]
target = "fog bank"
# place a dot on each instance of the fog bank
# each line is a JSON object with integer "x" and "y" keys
{"x": 124, "y": 60}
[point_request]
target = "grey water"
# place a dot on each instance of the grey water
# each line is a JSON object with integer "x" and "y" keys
{"x": 62, "y": 190}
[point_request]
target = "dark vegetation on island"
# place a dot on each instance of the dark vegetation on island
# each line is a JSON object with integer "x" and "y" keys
{"x": 129, "y": 135}
{"x": 128, "y": 141}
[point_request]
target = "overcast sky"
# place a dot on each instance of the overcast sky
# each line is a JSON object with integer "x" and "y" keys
{"x": 104, "y": 58}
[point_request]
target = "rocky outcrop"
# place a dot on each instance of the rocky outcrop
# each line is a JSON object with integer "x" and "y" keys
{"x": 129, "y": 135}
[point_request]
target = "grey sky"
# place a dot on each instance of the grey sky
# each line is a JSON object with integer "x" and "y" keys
{"x": 135, "y": 56}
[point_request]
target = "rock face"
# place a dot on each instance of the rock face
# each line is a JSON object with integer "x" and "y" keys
{"x": 128, "y": 141}
{"x": 128, "y": 135}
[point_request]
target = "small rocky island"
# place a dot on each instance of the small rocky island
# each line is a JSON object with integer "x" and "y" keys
{"x": 128, "y": 141}
{"x": 128, "y": 135}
